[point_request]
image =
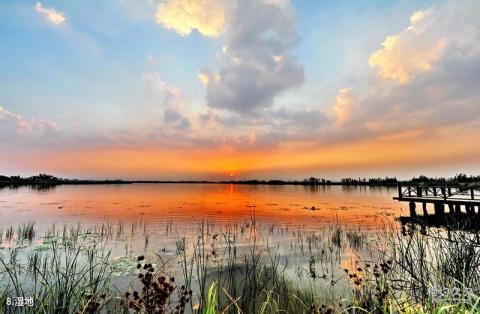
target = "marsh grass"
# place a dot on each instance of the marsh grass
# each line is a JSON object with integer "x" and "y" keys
{"x": 234, "y": 269}
{"x": 72, "y": 275}
{"x": 253, "y": 278}
{"x": 26, "y": 232}
{"x": 355, "y": 239}
{"x": 449, "y": 260}
{"x": 436, "y": 271}
{"x": 9, "y": 233}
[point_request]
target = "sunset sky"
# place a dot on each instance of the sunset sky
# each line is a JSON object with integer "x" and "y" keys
{"x": 213, "y": 89}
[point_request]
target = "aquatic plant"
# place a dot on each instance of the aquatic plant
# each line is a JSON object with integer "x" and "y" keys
{"x": 70, "y": 270}
{"x": 26, "y": 232}
{"x": 156, "y": 293}
{"x": 62, "y": 279}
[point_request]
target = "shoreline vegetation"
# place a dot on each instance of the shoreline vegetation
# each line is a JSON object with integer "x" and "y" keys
{"x": 46, "y": 179}
{"x": 73, "y": 272}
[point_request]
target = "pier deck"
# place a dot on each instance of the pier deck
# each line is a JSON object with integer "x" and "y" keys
{"x": 456, "y": 207}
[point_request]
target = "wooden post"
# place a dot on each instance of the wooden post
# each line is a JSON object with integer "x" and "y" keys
{"x": 439, "y": 209}
{"x": 419, "y": 191}
{"x": 470, "y": 209}
{"x": 400, "y": 191}
{"x": 472, "y": 193}
{"x": 425, "y": 212}
{"x": 412, "y": 206}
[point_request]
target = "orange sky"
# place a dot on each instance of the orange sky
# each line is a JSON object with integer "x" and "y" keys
{"x": 400, "y": 155}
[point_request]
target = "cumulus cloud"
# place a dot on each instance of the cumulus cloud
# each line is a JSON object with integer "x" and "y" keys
{"x": 184, "y": 16}
{"x": 443, "y": 98}
{"x": 434, "y": 62}
{"x": 439, "y": 97}
{"x": 256, "y": 64}
{"x": 53, "y": 16}
{"x": 432, "y": 34}
{"x": 445, "y": 42}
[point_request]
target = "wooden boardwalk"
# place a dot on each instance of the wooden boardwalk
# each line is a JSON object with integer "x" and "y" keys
{"x": 453, "y": 207}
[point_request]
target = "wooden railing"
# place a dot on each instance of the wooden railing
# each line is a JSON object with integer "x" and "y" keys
{"x": 439, "y": 192}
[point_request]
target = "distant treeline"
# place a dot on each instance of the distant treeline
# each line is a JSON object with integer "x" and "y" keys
{"x": 370, "y": 181}
{"x": 41, "y": 178}
{"x": 46, "y": 179}
{"x": 49, "y": 179}
{"x": 460, "y": 178}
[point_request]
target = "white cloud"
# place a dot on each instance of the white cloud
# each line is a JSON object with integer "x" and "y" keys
{"x": 434, "y": 34}
{"x": 184, "y": 16}
{"x": 13, "y": 121}
{"x": 52, "y": 15}
{"x": 14, "y": 124}
{"x": 434, "y": 62}
{"x": 255, "y": 64}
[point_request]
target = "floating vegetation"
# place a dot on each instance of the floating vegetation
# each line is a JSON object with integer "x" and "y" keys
{"x": 124, "y": 266}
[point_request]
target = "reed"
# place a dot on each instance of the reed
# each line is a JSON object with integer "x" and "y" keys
{"x": 234, "y": 269}
{"x": 73, "y": 275}
{"x": 26, "y": 232}
{"x": 9, "y": 233}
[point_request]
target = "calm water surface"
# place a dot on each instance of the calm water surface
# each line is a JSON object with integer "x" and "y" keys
{"x": 191, "y": 203}
{"x": 150, "y": 219}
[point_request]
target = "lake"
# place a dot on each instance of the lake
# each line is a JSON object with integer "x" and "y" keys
{"x": 181, "y": 208}
{"x": 312, "y": 233}
{"x": 294, "y": 205}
